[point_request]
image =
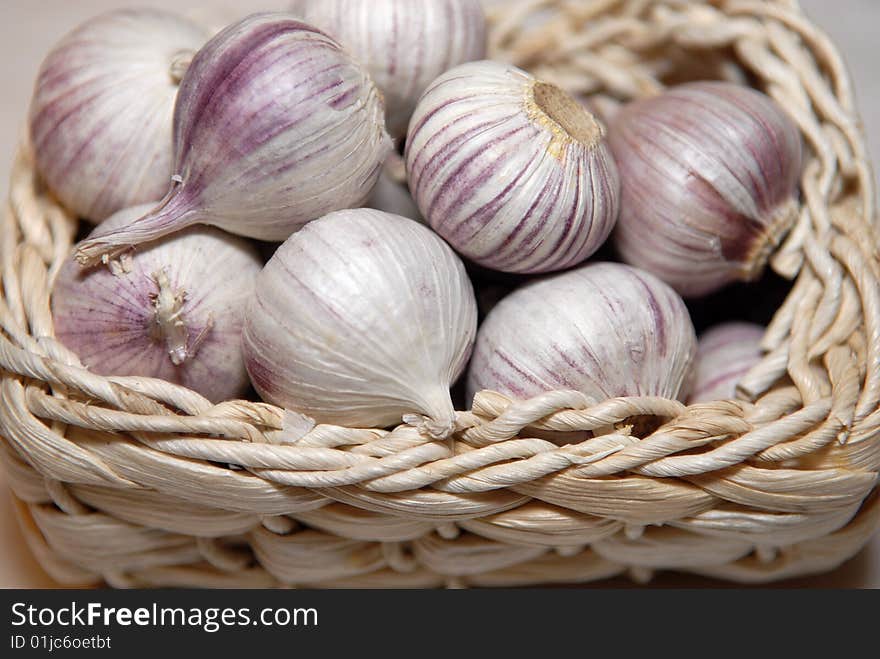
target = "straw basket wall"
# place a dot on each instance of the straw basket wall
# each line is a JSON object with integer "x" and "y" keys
{"x": 138, "y": 482}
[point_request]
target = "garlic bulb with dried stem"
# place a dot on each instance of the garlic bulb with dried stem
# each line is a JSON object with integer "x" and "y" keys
{"x": 171, "y": 310}
{"x": 275, "y": 125}
{"x": 362, "y": 318}
{"x": 604, "y": 329}
{"x": 511, "y": 171}
{"x": 101, "y": 112}
{"x": 725, "y": 353}
{"x": 405, "y": 44}
{"x": 709, "y": 175}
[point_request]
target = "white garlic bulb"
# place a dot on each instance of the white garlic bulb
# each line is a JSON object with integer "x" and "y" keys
{"x": 709, "y": 174}
{"x": 511, "y": 171}
{"x": 100, "y": 117}
{"x": 725, "y": 353}
{"x": 392, "y": 196}
{"x": 405, "y": 44}
{"x": 171, "y": 310}
{"x": 362, "y": 318}
{"x": 604, "y": 329}
{"x": 275, "y": 125}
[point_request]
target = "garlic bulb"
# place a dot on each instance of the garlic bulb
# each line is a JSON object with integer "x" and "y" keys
{"x": 393, "y": 197}
{"x": 172, "y": 310}
{"x": 405, "y": 44}
{"x": 725, "y": 353}
{"x": 275, "y": 125}
{"x": 604, "y": 329}
{"x": 100, "y": 116}
{"x": 513, "y": 172}
{"x": 709, "y": 175}
{"x": 362, "y": 318}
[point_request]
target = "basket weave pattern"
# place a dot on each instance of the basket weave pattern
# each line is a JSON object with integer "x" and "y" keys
{"x": 138, "y": 482}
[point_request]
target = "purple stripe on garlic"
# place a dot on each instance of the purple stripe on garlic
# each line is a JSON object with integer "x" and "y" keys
{"x": 362, "y": 318}
{"x": 275, "y": 125}
{"x": 709, "y": 175}
{"x": 405, "y": 44}
{"x": 725, "y": 353}
{"x": 173, "y": 309}
{"x": 511, "y": 171}
{"x": 101, "y": 113}
{"x": 604, "y": 329}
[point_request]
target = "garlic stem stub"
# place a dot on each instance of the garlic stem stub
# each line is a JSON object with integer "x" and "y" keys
{"x": 511, "y": 171}
{"x": 275, "y": 125}
{"x": 171, "y": 310}
{"x": 725, "y": 353}
{"x": 709, "y": 180}
{"x": 604, "y": 329}
{"x": 405, "y": 44}
{"x": 101, "y": 113}
{"x": 362, "y": 318}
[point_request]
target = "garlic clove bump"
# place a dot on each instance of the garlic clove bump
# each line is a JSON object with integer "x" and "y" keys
{"x": 405, "y": 44}
{"x": 101, "y": 114}
{"x": 511, "y": 171}
{"x": 709, "y": 176}
{"x": 173, "y": 309}
{"x": 604, "y": 329}
{"x": 274, "y": 126}
{"x": 362, "y": 318}
{"x": 725, "y": 353}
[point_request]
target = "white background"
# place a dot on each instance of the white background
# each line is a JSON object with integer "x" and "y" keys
{"x": 28, "y": 28}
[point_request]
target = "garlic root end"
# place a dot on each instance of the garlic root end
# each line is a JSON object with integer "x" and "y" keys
{"x": 431, "y": 427}
{"x": 94, "y": 252}
{"x": 169, "y": 322}
{"x": 180, "y": 62}
{"x": 782, "y": 220}
{"x": 170, "y": 215}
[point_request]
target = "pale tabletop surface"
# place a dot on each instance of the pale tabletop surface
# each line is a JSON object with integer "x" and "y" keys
{"x": 29, "y": 28}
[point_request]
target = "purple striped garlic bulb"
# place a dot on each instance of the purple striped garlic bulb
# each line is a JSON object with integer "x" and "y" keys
{"x": 725, "y": 353}
{"x": 709, "y": 175}
{"x": 173, "y": 309}
{"x": 275, "y": 125}
{"x": 511, "y": 171}
{"x": 101, "y": 113}
{"x": 362, "y": 318}
{"x": 604, "y": 329}
{"x": 405, "y": 44}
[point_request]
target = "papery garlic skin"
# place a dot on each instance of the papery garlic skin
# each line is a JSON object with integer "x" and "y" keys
{"x": 362, "y": 318}
{"x": 173, "y": 309}
{"x": 511, "y": 171}
{"x": 709, "y": 175}
{"x": 101, "y": 114}
{"x": 393, "y": 197}
{"x": 405, "y": 44}
{"x": 275, "y": 125}
{"x": 604, "y": 329}
{"x": 725, "y": 353}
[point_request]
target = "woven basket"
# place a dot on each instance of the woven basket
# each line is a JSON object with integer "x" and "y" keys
{"x": 137, "y": 482}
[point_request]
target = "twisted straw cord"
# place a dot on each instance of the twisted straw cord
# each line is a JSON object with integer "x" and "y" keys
{"x": 23, "y": 202}
{"x": 53, "y": 455}
{"x": 845, "y": 389}
{"x": 101, "y": 418}
{"x": 866, "y": 282}
{"x": 562, "y": 411}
